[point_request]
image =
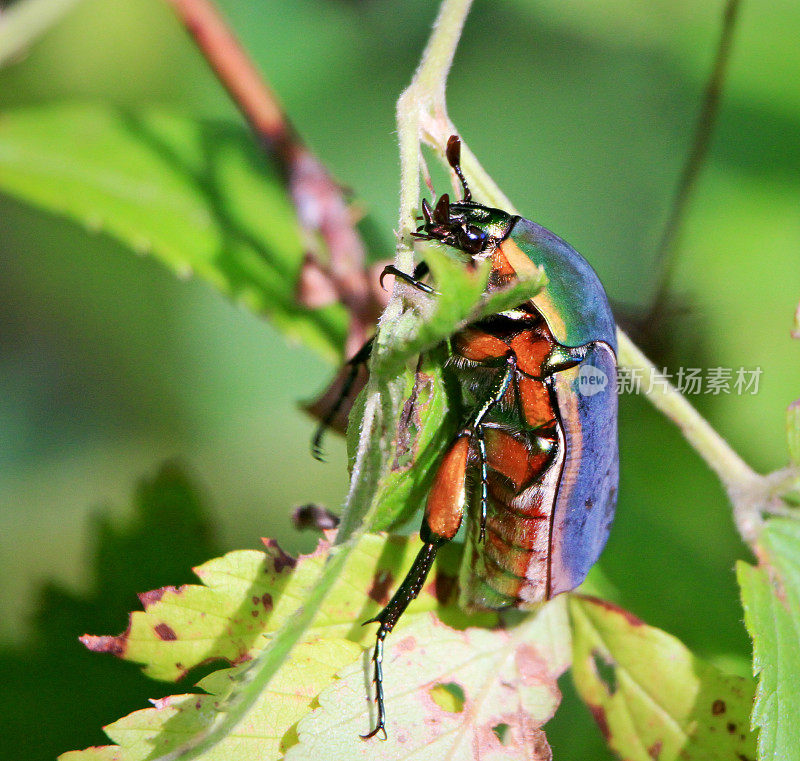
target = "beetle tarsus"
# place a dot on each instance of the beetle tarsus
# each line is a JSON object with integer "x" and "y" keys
{"x": 388, "y": 617}
{"x": 484, "y": 481}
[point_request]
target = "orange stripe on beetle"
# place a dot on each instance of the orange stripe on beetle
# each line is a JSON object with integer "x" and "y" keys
{"x": 535, "y": 402}
{"x": 444, "y": 509}
{"x": 478, "y": 346}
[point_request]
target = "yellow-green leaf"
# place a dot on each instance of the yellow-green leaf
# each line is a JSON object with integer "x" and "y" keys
{"x": 653, "y": 699}
{"x": 505, "y": 681}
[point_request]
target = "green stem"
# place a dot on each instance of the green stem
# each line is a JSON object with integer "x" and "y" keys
{"x": 419, "y": 108}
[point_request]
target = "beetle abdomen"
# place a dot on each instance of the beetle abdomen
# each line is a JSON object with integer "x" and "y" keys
{"x": 511, "y": 566}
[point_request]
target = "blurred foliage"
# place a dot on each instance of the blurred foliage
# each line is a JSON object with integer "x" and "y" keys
{"x": 581, "y": 111}
{"x": 51, "y": 673}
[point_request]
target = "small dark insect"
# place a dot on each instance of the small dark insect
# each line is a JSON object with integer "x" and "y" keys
{"x": 540, "y": 442}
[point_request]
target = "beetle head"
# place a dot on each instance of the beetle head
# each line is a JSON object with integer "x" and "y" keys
{"x": 464, "y": 225}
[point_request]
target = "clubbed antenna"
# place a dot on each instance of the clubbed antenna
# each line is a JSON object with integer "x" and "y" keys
{"x": 453, "y": 153}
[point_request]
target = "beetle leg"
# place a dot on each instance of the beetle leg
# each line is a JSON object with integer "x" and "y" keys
{"x": 416, "y": 279}
{"x": 444, "y": 511}
{"x": 484, "y": 480}
{"x": 388, "y": 617}
{"x": 353, "y": 364}
{"x": 474, "y": 426}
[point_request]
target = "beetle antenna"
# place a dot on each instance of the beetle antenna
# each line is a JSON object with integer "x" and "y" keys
{"x": 453, "y": 153}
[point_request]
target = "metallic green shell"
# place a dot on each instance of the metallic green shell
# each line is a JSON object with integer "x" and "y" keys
{"x": 573, "y": 302}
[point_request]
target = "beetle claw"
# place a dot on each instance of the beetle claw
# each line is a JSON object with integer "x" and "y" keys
{"x": 370, "y": 735}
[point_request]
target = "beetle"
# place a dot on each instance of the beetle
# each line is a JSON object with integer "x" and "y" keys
{"x": 534, "y": 467}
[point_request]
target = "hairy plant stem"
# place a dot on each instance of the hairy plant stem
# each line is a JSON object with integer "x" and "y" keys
{"x": 422, "y": 118}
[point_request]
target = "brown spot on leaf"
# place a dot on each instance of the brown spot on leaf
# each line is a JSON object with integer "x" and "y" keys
{"x": 266, "y": 601}
{"x": 254, "y": 613}
{"x": 718, "y": 707}
{"x": 280, "y": 559}
{"x": 165, "y": 632}
{"x": 379, "y": 589}
{"x": 154, "y": 595}
{"x": 112, "y": 645}
{"x": 731, "y": 728}
{"x": 599, "y": 715}
{"x": 408, "y": 425}
{"x": 531, "y": 667}
{"x": 654, "y": 750}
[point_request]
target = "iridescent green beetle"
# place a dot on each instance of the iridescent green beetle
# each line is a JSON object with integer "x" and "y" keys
{"x": 534, "y": 466}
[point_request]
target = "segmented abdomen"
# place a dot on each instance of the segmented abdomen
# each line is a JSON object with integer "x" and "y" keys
{"x": 524, "y": 457}
{"x": 511, "y": 566}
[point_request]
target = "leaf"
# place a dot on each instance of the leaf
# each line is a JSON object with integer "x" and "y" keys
{"x": 176, "y": 719}
{"x": 650, "y": 696}
{"x": 771, "y": 599}
{"x": 501, "y": 684}
{"x": 249, "y": 600}
{"x": 426, "y": 425}
{"x": 793, "y": 431}
{"x": 197, "y": 196}
{"x": 167, "y": 529}
{"x": 247, "y": 596}
{"x": 461, "y": 299}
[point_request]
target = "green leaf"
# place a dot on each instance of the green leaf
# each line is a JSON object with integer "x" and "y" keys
{"x": 793, "y": 431}
{"x": 461, "y": 299}
{"x": 247, "y": 608}
{"x": 771, "y": 599}
{"x": 167, "y": 528}
{"x": 650, "y": 696}
{"x": 197, "y": 196}
{"x": 424, "y": 429}
{"x": 501, "y": 687}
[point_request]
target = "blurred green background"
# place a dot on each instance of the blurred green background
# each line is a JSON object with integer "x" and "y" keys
{"x": 109, "y": 366}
